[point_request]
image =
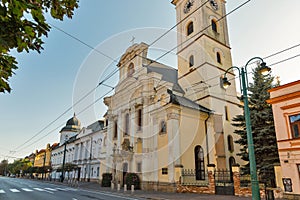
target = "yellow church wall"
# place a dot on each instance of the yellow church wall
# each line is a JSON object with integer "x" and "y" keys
{"x": 192, "y": 133}
{"x": 163, "y": 155}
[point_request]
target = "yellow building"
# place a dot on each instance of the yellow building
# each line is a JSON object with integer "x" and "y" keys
{"x": 162, "y": 120}
{"x": 286, "y": 109}
{"x": 42, "y": 160}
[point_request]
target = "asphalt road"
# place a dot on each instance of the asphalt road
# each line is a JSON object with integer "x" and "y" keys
{"x": 23, "y": 189}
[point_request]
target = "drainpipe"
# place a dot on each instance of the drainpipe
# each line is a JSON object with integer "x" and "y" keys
{"x": 207, "y": 148}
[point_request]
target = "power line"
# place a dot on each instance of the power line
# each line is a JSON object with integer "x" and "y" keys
{"x": 48, "y": 133}
{"x": 110, "y": 75}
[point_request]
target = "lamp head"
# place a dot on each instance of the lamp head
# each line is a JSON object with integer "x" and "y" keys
{"x": 226, "y": 83}
{"x": 264, "y": 69}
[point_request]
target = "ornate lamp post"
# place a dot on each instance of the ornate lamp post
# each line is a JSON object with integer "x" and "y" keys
{"x": 244, "y": 86}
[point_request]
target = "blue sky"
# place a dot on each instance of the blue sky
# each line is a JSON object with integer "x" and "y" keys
{"x": 47, "y": 84}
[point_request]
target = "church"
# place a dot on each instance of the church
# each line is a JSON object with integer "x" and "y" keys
{"x": 163, "y": 119}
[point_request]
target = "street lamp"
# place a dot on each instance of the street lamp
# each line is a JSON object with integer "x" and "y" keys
{"x": 244, "y": 79}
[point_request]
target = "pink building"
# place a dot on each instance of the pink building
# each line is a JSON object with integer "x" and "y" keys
{"x": 285, "y": 102}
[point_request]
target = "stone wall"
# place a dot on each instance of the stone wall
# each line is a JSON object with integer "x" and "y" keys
{"x": 158, "y": 186}
{"x": 238, "y": 190}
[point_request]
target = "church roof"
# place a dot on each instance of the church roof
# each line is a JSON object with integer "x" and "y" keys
{"x": 169, "y": 74}
{"x": 183, "y": 101}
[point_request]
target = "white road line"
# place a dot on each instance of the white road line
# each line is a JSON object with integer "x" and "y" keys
{"x": 71, "y": 189}
{"x": 14, "y": 190}
{"x": 42, "y": 190}
{"x": 2, "y": 191}
{"x": 51, "y": 189}
{"x": 62, "y": 189}
{"x": 27, "y": 190}
{"x": 39, "y": 189}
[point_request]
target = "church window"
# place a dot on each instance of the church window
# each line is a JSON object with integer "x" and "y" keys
{"x": 191, "y": 61}
{"x": 214, "y": 25}
{"x": 139, "y": 167}
{"x": 226, "y": 113}
{"x": 116, "y": 130}
{"x": 130, "y": 70}
{"x": 219, "y": 58}
{"x": 230, "y": 143}
{"x": 199, "y": 163}
{"x": 163, "y": 127}
{"x": 126, "y": 124}
{"x": 139, "y": 119}
{"x": 164, "y": 171}
{"x": 190, "y": 28}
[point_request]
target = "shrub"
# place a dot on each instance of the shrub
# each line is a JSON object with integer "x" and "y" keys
{"x": 106, "y": 179}
{"x": 132, "y": 179}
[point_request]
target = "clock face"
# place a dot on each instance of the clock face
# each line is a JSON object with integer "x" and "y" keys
{"x": 213, "y": 4}
{"x": 188, "y": 5}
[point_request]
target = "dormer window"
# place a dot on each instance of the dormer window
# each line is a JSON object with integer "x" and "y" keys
{"x": 130, "y": 70}
{"x": 190, "y": 28}
{"x": 191, "y": 61}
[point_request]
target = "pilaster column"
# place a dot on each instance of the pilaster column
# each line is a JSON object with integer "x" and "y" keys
{"x": 173, "y": 141}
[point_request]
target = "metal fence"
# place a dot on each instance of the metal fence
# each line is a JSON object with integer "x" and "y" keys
{"x": 189, "y": 178}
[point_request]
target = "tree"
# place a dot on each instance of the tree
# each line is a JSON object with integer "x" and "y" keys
{"x": 263, "y": 129}
{"x": 3, "y": 167}
{"x": 23, "y": 25}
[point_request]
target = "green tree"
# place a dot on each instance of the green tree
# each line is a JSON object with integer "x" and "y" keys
{"x": 263, "y": 129}
{"x": 3, "y": 167}
{"x": 23, "y": 26}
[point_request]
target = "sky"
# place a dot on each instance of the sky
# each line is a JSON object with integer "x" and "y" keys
{"x": 81, "y": 52}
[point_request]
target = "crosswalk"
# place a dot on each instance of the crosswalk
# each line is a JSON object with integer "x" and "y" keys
{"x": 49, "y": 190}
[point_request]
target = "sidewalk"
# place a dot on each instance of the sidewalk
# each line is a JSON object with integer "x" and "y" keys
{"x": 154, "y": 194}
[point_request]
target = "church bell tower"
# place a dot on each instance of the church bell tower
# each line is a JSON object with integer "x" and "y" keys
{"x": 204, "y": 55}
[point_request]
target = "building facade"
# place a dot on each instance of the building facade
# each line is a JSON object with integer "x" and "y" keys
{"x": 79, "y": 152}
{"x": 286, "y": 110}
{"x": 42, "y": 161}
{"x": 161, "y": 119}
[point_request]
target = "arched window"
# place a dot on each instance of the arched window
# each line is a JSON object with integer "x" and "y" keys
{"x": 116, "y": 130}
{"x": 219, "y": 58}
{"x": 231, "y": 163}
{"x": 163, "y": 127}
{"x": 130, "y": 70}
{"x": 190, "y": 28}
{"x": 214, "y": 25}
{"x": 230, "y": 143}
{"x": 126, "y": 124}
{"x": 199, "y": 163}
{"x": 191, "y": 61}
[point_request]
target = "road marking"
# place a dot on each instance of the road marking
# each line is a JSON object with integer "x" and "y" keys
{"x": 51, "y": 189}
{"x": 27, "y": 190}
{"x": 62, "y": 189}
{"x": 14, "y": 190}
{"x": 2, "y": 191}
{"x": 42, "y": 190}
{"x": 39, "y": 189}
{"x": 71, "y": 189}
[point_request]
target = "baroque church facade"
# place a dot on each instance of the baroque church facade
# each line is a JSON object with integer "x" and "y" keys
{"x": 161, "y": 120}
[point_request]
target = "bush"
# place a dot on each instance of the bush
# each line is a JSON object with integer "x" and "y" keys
{"x": 132, "y": 179}
{"x": 106, "y": 179}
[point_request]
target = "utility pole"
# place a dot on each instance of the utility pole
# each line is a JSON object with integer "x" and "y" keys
{"x": 90, "y": 160}
{"x": 44, "y": 164}
{"x": 63, "y": 164}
